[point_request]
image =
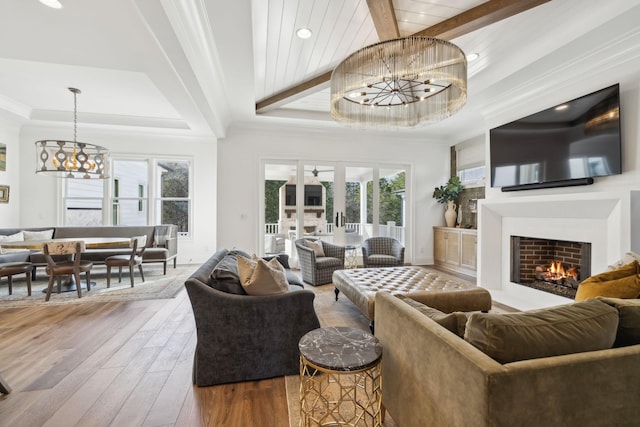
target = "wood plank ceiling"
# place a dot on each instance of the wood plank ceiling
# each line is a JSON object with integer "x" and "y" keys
{"x": 288, "y": 68}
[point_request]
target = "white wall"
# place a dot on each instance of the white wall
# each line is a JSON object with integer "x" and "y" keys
{"x": 241, "y": 152}
{"x": 40, "y": 194}
{"x": 9, "y": 135}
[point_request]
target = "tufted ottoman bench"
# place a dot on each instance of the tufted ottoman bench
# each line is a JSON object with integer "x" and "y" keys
{"x": 438, "y": 290}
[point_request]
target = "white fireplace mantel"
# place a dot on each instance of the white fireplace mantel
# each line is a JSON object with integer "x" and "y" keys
{"x": 606, "y": 220}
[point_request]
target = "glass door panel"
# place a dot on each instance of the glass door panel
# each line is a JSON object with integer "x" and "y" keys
{"x": 392, "y": 191}
{"x": 280, "y": 218}
{"x": 319, "y": 202}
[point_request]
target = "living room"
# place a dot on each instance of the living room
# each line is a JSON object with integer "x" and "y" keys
{"x": 579, "y": 48}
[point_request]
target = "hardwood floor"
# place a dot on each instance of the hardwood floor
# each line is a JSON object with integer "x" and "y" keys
{"x": 129, "y": 364}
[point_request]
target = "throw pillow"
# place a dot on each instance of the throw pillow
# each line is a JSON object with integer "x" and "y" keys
{"x": 629, "y": 320}
{"x": 259, "y": 277}
{"x": 454, "y": 322}
{"x": 316, "y": 246}
{"x": 574, "y": 328}
{"x": 625, "y": 287}
{"x": 629, "y": 257}
{"x": 38, "y": 235}
{"x": 617, "y": 273}
{"x": 16, "y": 237}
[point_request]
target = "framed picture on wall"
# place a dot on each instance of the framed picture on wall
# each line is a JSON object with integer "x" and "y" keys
{"x": 4, "y": 194}
{"x": 3, "y": 157}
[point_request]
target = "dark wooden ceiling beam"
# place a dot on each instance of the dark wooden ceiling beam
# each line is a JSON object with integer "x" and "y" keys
{"x": 473, "y": 19}
{"x": 478, "y": 17}
{"x": 288, "y": 93}
{"x": 384, "y": 19}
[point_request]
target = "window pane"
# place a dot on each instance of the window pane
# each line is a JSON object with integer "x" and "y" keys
{"x": 83, "y": 202}
{"x": 130, "y": 181}
{"x": 173, "y": 179}
{"x": 175, "y": 212}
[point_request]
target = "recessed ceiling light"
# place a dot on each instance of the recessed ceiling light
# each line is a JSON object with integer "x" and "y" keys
{"x": 54, "y": 4}
{"x": 561, "y": 107}
{"x": 303, "y": 33}
{"x": 472, "y": 57}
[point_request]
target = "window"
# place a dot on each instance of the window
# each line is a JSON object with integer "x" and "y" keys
{"x": 472, "y": 175}
{"x": 172, "y": 180}
{"x": 470, "y": 162}
{"x": 126, "y": 199}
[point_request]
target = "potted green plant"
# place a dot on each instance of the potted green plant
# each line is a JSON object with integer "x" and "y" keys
{"x": 448, "y": 193}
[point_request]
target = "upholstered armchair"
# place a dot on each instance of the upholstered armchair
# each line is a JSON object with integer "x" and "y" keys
{"x": 382, "y": 252}
{"x": 244, "y": 337}
{"x": 317, "y": 267}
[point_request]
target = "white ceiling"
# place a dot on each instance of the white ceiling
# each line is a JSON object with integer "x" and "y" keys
{"x": 195, "y": 67}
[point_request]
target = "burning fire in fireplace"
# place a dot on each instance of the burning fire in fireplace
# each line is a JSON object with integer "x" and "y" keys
{"x": 556, "y": 273}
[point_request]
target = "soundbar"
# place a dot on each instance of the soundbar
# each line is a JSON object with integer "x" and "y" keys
{"x": 550, "y": 184}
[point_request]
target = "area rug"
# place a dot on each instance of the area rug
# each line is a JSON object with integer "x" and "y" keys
{"x": 156, "y": 286}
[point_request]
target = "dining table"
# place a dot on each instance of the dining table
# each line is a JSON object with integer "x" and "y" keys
{"x": 89, "y": 242}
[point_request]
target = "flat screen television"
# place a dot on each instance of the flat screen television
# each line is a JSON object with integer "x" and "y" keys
{"x": 568, "y": 144}
{"x": 312, "y": 195}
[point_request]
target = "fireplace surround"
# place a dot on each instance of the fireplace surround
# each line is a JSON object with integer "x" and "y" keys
{"x": 605, "y": 220}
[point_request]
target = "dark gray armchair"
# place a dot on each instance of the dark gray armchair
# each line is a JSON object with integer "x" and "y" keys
{"x": 242, "y": 337}
{"x": 382, "y": 252}
{"x": 319, "y": 270}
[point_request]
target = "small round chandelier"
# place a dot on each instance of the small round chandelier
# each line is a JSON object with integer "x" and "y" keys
{"x": 400, "y": 83}
{"x": 72, "y": 159}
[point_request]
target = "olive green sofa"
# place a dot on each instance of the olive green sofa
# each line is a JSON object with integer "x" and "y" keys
{"x": 433, "y": 377}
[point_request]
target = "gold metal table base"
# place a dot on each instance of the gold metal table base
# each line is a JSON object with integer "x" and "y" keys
{"x": 340, "y": 398}
{"x": 351, "y": 257}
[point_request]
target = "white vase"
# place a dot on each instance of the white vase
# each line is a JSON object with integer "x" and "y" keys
{"x": 450, "y": 214}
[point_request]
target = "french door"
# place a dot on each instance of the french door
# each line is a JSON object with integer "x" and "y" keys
{"x": 340, "y": 202}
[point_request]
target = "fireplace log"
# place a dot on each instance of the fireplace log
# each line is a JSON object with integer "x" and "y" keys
{"x": 571, "y": 282}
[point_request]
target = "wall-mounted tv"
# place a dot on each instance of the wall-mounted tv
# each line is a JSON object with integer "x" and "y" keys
{"x": 312, "y": 195}
{"x": 568, "y": 144}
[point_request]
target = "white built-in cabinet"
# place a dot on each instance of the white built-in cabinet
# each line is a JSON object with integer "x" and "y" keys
{"x": 456, "y": 249}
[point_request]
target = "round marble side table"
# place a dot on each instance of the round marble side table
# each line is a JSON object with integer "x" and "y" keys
{"x": 340, "y": 378}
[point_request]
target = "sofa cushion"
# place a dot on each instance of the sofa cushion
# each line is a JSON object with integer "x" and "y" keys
{"x": 454, "y": 322}
{"x": 282, "y": 259}
{"x": 624, "y": 287}
{"x": 259, "y": 277}
{"x": 38, "y": 235}
{"x": 328, "y": 262}
{"x": 574, "y": 328}
{"x": 225, "y": 276}
{"x": 629, "y": 320}
{"x": 15, "y": 237}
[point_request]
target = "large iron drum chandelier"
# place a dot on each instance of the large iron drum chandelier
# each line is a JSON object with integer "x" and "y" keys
{"x": 72, "y": 159}
{"x": 400, "y": 83}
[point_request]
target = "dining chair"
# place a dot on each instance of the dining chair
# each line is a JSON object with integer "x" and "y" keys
{"x": 68, "y": 267}
{"x": 137, "y": 245}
